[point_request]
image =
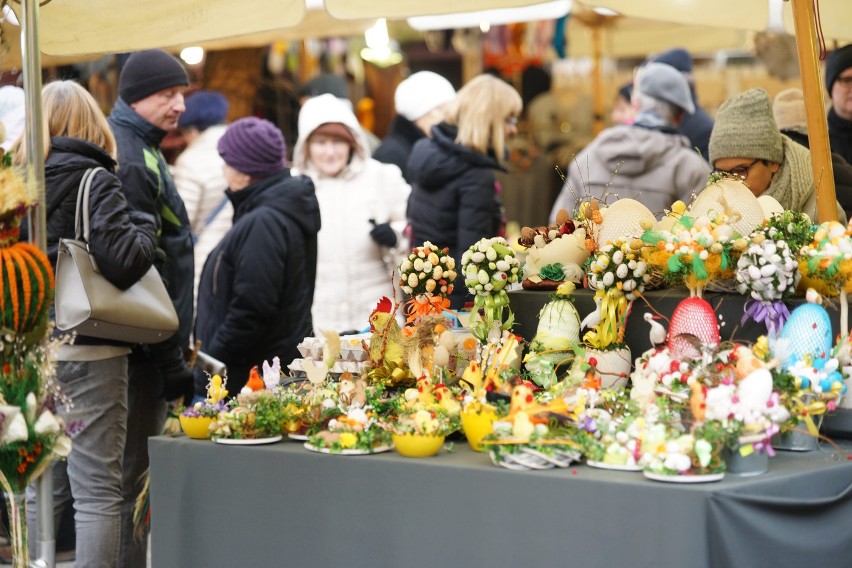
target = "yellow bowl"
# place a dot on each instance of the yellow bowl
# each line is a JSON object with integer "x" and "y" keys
{"x": 196, "y": 426}
{"x": 477, "y": 425}
{"x": 417, "y": 445}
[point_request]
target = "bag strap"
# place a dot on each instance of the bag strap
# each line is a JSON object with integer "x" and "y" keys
{"x": 210, "y": 217}
{"x": 81, "y": 214}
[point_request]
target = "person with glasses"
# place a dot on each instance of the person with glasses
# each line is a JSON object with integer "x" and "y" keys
{"x": 454, "y": 200}
{"x": 647, "y": 160}
{"x": 838, "y": 81}
{"x": 746, "y": 143}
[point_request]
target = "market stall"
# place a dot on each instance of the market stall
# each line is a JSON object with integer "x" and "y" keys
{"x": 220, "y": 506}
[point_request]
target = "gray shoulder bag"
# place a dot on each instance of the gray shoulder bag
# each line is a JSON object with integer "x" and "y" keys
{"x": 89, "y": 304}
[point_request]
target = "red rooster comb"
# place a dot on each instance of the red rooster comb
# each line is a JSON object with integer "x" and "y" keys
{"x": 384, "y": 305}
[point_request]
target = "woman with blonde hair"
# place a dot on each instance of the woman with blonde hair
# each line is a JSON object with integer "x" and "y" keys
{"x": 454, "y": 200}
{"x": 92, "y": 372}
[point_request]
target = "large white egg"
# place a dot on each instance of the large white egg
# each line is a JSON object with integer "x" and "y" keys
{"x": 623, "y": 220}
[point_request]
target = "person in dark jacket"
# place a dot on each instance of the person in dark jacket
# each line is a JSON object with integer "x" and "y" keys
{"x": 699, "y": 125}
{"x": 92, "y": 372}
{"x": 453, "y": 200}
{"x": 788, "y": 108}
{"x": 257, "y": 286}
{"x": 420, "y": 102}
{"x": 150, "y": 103}
{"x": 838, "y": 82}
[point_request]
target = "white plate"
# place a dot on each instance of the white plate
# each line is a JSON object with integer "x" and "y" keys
{"x": 298, "y": 437}
{"x": 351, "y": 452}
{"x": 706, "y": 478}
{"x": 613, "y": 466}
{"x": 248, "y": 441}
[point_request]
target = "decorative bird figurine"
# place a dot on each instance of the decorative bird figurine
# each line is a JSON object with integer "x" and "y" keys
{"x": 594, "y": 318}
{"x": 255, "y": 383}
{"x": 272, "y": 373}
{"x": 446, "y": 400}
{"x": 657, "y": 334}
{"x": 386, "y": 343}
{"x": 216, "y": 390}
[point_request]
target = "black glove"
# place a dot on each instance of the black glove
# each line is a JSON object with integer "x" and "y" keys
{"x": 383, "y": 234}
{"x": 177, "y": 381}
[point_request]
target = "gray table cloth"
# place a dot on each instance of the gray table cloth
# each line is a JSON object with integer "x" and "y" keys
{"x": 282, "y": 505}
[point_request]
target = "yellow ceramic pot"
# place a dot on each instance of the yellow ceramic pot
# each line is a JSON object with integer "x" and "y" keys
{"x": 477, "y": 425}
{"x": 197, "y": 427}
{"x": 417, "y": 445}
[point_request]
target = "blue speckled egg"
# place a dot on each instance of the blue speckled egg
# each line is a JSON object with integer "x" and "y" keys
{"x": 807, "y": 331}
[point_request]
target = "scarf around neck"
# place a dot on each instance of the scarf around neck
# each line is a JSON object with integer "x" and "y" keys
{"x": 793, "y": 183}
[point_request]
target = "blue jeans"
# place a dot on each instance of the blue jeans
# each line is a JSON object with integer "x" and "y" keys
{"x": 146, "y": 414}
{"x": 92, "y": 473}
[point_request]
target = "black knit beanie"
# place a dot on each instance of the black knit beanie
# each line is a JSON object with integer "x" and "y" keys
{"x": 839, "y": 61}
{"x": 147, "y": 72}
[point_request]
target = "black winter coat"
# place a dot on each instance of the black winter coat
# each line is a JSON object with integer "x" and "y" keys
{"x": 453, "y": 201}
{"x": 149, "y": 187}
{"x": 842, "y": 173}
{"x": 397, "y": 145}
{"x": 257, "y": 286}
{"x": 840, "y": 135}
{"x": 122, "y": 240}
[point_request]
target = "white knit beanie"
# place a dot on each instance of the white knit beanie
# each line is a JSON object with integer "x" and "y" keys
{"x": 422, "y": 92}
{"x": 788, "y": 107}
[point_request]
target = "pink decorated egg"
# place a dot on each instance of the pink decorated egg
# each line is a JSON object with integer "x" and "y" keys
{"x": 692, "y": 317}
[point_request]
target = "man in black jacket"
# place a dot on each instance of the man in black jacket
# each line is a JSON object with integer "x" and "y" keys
{"x": 838, "y": 81}
{"x": 419, "y": 101}
{"x": 150, "y": 102}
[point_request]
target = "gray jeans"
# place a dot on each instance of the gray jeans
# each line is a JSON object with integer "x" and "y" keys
{"x": 145, "y": 418}
{"x": 92, "y": 474}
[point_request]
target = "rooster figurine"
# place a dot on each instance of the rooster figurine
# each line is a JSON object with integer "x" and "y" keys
{"x": 387, "y": 341}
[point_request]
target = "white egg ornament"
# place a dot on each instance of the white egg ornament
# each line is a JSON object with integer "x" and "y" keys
{"x": 755, "y": 389}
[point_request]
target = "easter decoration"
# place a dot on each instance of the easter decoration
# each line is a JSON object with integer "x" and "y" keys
{"x": 555, "y": 253}
{"x": 31, "y": 434}
{"x": 618, "y": 275}
{"x": 419, "y": 433}
{"x": 490, "y": 265}
{"x": 195, "y": 420}
{"x": 427, "y": 276}
{"x": 828, "y": 259}
{"x": 767, "y": 272}
{"x": 556, "y": 337}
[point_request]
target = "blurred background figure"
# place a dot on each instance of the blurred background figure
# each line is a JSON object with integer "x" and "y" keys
{"x": 622, "y": 108}
{"x": 198, "y": 174}
{"x": 11, "y": 114}
{"x": 746, "y": 142}
{"x": 788, "y": 108}
{"x": 838, "y": 81}
{"x": 647, "y": 160}
{"x": 362, "y": 204}
{"x": 698, "y": 125}
{"x": 453, "y": 201}
{"x": 420, "y": 102}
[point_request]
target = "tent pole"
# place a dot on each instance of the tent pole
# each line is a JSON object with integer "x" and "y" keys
{"x": 807, "y": 48}
{"x": 34, "y": 136}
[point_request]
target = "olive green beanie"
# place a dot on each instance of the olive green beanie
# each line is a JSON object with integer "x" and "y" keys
{"x": 745, "y": 128}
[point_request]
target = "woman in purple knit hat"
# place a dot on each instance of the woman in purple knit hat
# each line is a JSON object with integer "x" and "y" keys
{"x": 257, "y": 286}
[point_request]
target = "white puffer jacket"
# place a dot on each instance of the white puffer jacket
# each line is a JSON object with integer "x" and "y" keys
{"x": 352, "y": 270}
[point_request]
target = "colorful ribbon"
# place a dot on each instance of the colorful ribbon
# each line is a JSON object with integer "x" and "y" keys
{"x": 612, "y": 309}
{"x": 424, "y": 305}
{"x": 773, "y": 314}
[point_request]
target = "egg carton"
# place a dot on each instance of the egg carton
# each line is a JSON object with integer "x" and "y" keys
{"x": 352, "y": 347}
{"x": 297, "y": 367}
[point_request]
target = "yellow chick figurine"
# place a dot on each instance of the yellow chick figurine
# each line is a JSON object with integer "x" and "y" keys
{"x": 446, "y": 400}
{"x": 216, "y": 390}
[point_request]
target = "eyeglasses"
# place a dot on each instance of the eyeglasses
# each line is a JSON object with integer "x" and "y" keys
{"x": 845, "y": 82}
{"x": 740, "y": 171}
{"x": 513, "y": 120}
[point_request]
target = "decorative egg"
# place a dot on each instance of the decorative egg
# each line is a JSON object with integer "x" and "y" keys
{"x": 568, "y": 250}
{"x": 755, "y": 389}
{"x": 623, "y": 220}
{"x": 769, "y": 205}
{"x": 692, "y": 317}
{"x": 558, "y": 326}
{"x": 731, "y": 198}
{"x": 806, "y": 332}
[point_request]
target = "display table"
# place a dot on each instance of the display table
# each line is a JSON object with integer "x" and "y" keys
{"x": 281, "y": 505}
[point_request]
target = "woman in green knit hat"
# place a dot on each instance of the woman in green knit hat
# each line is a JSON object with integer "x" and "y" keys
{"x": 746, "y": 142}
